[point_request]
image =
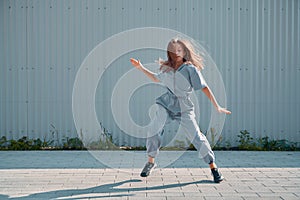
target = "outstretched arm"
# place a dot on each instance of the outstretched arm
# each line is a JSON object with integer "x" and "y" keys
{"x": 212, "y": 98}
{"x": 138, "y": 65}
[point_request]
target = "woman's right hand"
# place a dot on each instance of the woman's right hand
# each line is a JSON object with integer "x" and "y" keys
{"x": 136, "y": 63}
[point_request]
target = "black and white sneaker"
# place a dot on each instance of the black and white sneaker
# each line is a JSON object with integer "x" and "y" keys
{"x": 217, "y": 175}
{"x": 147, "y": 169}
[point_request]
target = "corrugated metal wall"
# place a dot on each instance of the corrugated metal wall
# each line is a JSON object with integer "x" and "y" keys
{"x": 255, "y": 45}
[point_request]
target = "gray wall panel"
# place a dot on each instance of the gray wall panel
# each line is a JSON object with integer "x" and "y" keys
{"x": 255, "y": 45}
{"x": 14, "y": 113}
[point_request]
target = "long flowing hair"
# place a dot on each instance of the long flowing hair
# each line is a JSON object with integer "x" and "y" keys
{"x": 191, "y": 56}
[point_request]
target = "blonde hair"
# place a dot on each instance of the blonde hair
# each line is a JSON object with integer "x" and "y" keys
{"x": 191, "y": 56}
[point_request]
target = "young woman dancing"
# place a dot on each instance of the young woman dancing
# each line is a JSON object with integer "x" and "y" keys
{"x": 180, "y": 74}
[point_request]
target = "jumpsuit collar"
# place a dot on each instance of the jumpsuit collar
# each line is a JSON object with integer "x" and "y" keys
{"x": 181, "y": 66}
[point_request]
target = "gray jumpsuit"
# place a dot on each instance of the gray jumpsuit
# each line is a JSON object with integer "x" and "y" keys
{"x": 176, "y": 104}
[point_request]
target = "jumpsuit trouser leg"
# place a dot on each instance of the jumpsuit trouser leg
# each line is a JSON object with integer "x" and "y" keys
{"x": 198, "y": 139}
{"x": 154, "y": 134}
{"x": 188, "y": 123}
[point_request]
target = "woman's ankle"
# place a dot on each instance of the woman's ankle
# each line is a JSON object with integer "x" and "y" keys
{"x": 150, "y": 159}
{"x": 213, "y": 165}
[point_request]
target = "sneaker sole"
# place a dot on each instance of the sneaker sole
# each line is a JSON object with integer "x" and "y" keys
{"x": 219, "y": 181}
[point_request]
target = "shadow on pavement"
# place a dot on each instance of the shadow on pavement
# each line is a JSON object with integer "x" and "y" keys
{"x": 107, "y": 189}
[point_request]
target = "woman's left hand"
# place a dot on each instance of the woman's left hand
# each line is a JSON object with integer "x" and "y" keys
{"x": 223, "y": 110}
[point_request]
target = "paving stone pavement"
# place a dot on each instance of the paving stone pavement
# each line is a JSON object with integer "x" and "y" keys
{"x": 79, "y": 175}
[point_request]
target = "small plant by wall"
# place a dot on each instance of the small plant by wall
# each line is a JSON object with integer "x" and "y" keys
{"x": 246, "y": 142}
{"x": 25, "y": 143}
{"x": 73, "y": 144}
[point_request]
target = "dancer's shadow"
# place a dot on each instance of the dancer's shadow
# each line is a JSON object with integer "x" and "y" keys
{"x": 106, "y": 189}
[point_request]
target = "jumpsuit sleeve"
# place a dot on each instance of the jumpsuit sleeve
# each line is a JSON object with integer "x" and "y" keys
{"x": 197, "y": 80}
{"x": 159, "y": 76}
